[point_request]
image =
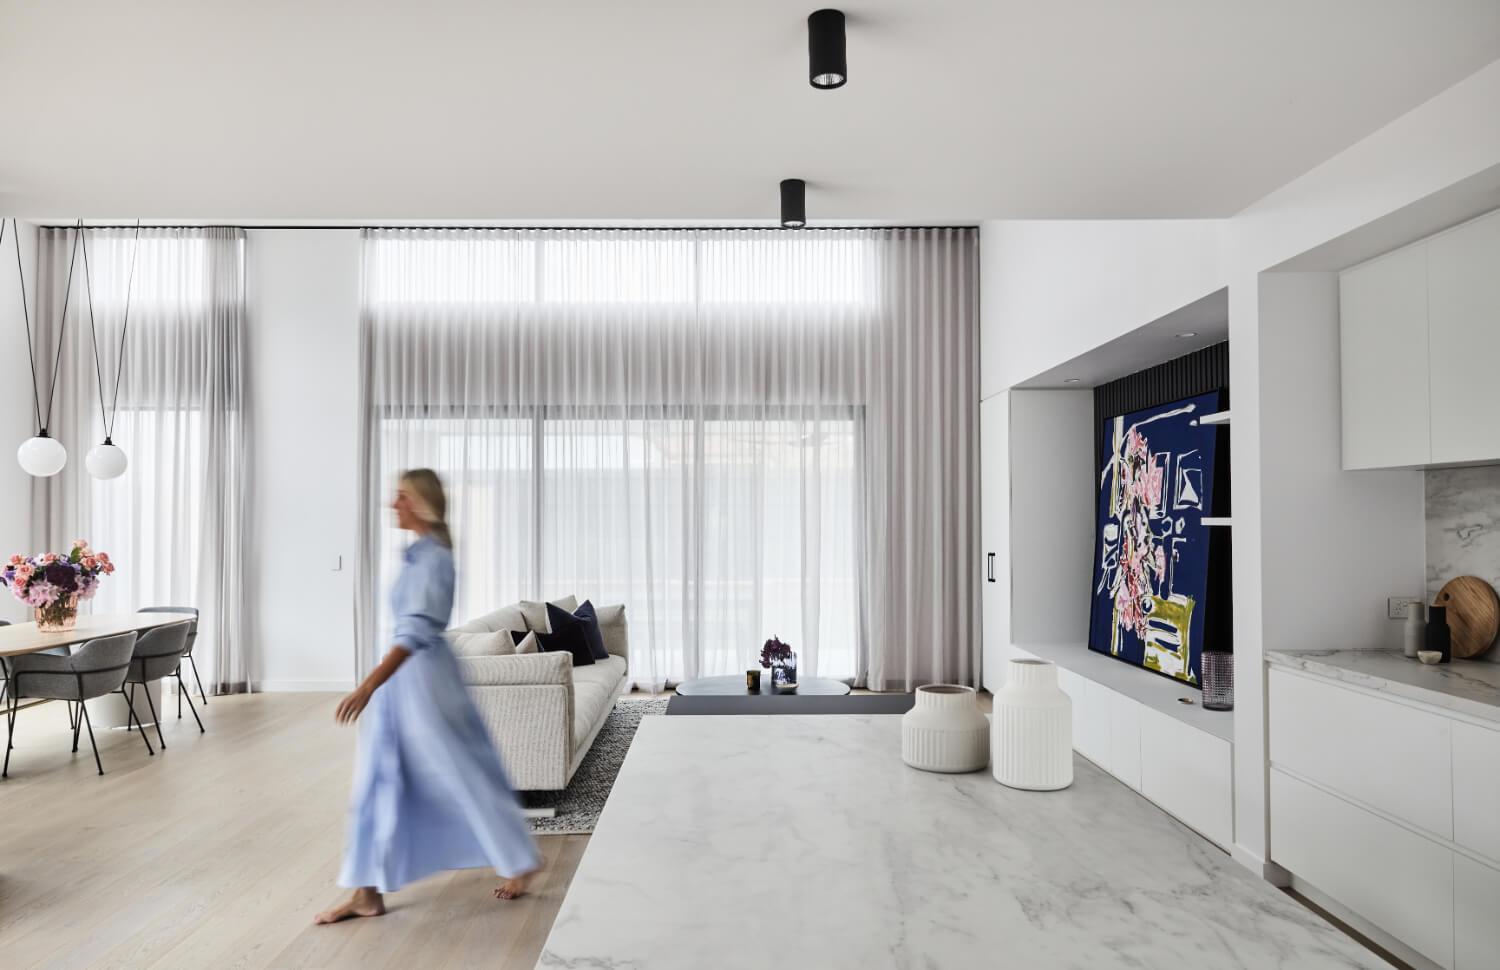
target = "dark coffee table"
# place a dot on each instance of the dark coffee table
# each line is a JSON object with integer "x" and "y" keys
{"x": 735, "y": 685}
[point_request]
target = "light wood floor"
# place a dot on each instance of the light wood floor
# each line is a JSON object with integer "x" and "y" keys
{"x": 217, "y": 852}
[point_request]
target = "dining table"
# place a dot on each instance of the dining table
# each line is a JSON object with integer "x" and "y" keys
{"x": 108, "y": 711}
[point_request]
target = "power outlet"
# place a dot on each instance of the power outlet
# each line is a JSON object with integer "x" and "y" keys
{"x": 1398, "y": 607}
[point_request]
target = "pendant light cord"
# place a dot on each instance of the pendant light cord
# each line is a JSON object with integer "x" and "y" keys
{"x": 62, "y": 327}
{"x": 108, "y": 420}
{"x": 36, "y": 400}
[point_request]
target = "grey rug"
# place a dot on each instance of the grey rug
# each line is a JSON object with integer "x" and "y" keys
{"x": 578, "y": 806}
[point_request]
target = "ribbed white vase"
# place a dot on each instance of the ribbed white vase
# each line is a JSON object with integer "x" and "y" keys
{"x": 944, "y": 730}
{"x": 1031, "y": 743}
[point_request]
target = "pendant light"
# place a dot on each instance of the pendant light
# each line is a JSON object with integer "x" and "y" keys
{"x": 793, "y": 203}
{"x": 827, "y": 62}
{"x": 108, "y": 460}
{"x": 42, "y": 455}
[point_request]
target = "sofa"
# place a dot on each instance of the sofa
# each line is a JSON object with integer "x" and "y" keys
{"x": 542, "y": 712}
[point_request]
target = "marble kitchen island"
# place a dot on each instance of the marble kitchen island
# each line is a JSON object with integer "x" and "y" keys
{"x": 803, "y": 842}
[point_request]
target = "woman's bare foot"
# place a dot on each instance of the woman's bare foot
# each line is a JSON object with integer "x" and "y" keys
{"x": 364, "y": 902}
{"x": 515, "y": 887}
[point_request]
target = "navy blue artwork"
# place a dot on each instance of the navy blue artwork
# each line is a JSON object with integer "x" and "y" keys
{"x": 1152, "y": 552}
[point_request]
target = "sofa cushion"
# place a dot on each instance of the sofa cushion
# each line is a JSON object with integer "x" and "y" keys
{"x": 566, "y": 637}
{"x": 526, "y": 644}
{"x": 535, "y": 614}
{"x": 505, "y": 618}
{"x": 481, "y": 644}
{"x": 588, "y": 615}
{"x": 613, "y": 631}
{"x": 594, "y": 692}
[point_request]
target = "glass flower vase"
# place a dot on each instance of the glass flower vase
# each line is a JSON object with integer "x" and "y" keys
{"x": 58, "y": 617}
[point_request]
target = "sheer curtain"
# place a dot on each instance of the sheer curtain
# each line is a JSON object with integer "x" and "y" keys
{"x": 735, "y": 433}
{"x": 175, "y": 521}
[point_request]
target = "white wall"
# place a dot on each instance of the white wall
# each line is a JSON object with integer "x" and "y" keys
{"x": 1051, "y": 290}
{"x": 303, "y": 302}
{"x": 17, "y": 417}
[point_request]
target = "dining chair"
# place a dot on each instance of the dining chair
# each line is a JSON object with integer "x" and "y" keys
{"x": 158, "y": 654}
{"x": 97, "y": 668}
{"x": 188, "y": 653}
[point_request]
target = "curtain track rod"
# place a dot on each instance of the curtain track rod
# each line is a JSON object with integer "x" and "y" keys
{"x": 517, "y": 228}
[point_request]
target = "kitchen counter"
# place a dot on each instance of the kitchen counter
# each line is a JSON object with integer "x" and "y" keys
{"x": 1463, "y": 686}
{"x": 804, "y": 841}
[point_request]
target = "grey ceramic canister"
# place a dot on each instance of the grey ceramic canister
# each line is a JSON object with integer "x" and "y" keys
{"x": 1416, "y": 629}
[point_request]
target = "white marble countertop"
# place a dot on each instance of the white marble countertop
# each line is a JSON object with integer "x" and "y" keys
{"x": 803, "y": 842}
{"x": 1464, "y": 686}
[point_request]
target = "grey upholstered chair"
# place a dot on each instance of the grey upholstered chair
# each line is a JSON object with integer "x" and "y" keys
{"x": 95, "y": 669}
{"x": 192, "y": 640}
{"x": 158, "y": 654}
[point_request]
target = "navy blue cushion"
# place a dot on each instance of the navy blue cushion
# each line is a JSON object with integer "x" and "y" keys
{"x": 586, "y": 615}
{"x": 567, "y": 635}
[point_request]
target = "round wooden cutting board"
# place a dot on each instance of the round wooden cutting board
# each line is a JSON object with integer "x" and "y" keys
{"x": 1473, "y": 614}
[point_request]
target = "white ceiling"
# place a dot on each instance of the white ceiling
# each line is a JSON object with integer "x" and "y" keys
{"x": 673, "y": 109}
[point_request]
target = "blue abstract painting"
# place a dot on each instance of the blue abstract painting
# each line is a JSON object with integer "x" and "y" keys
{"x": 1152, "y": 551}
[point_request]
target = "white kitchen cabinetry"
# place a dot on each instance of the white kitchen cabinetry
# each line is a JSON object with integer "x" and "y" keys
{"x": 1463, "y": 341}
{"x": 1419, "y": 337}
{"x": 1387, "y": 807}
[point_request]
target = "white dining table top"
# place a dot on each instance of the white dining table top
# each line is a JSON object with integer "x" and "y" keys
{"x": 22, "y": 638}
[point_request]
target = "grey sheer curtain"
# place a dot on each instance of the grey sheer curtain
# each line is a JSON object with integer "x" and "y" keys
{"x": 175, "y": 522}
{"x": 736, "y": 433}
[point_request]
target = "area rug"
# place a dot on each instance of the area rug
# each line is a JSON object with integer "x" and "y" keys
{"x": 578, "y": 806}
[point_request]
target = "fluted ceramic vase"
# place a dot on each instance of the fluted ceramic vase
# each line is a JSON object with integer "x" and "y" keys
{"x": 1031, "y": 739}
{"x": 944, "y": 730}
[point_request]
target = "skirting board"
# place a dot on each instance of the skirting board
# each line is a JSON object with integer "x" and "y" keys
{"x": 1363, "y": 926}
{"x": 302, "y": 686}
{"x": 1269, "y": 871}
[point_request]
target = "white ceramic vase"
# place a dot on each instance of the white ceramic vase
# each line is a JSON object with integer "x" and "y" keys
{"x": 1031, "y": 744}
{"x": 944, "y": 730}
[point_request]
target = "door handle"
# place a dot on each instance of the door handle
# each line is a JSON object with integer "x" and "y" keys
{"x": 990, "y": 567}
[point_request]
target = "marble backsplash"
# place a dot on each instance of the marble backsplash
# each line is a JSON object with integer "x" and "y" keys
{"x": 1463, "y": 528}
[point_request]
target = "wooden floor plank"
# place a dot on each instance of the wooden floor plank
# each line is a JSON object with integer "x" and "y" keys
{"x": 218, "y": 851}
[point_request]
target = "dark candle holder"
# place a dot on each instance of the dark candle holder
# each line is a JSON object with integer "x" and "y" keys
{"x": 1439, "y": 637}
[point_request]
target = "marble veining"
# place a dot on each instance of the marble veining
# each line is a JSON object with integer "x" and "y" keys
{"x": 1463, "y": 528}
{"x": 804, "y": 842}
{"x": 1463, "y": 686}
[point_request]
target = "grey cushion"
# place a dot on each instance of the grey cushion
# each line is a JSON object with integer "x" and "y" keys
{"x": 465, "y": 644}
{"x": 192, "y": 638}
{"x": 505, "y": 618}
{"x": 97, "y": 668}
{"x": 613, "y": 629}
{"x": 536, "y": 613}
{"x": 158, "y": 653}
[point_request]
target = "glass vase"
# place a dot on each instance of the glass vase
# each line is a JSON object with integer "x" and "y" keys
{"x": 784, "y": 675}
{"x": 58, "y": 617}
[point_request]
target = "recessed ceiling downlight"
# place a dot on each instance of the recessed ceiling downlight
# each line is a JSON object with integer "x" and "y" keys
{"x": 828, "y": 65}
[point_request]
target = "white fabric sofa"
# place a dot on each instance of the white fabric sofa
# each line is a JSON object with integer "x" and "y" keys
{"x": 541, "y": 711}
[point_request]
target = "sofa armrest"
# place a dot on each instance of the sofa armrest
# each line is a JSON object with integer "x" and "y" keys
{"x": 517, "y": 670}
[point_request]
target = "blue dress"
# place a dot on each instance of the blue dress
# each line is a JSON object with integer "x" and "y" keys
{"x": 430, "y": 793}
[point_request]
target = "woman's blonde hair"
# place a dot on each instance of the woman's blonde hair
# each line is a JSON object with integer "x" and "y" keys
{"x": 431, "y": 502}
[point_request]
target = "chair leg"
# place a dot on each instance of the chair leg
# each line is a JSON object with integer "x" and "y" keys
{"x": 182, "y": 690}
{"x": 133, "y": 715}
{"x": 75, "y": 718}
{"x": 10, "y": 733}
{"x": 151, "y": 705}
{"x": 194, "y": 664}
{"x": 93, "y": 744}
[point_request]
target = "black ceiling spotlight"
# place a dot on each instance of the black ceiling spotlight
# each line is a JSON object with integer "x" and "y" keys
{"x": 793, "y": 203}
{"x": 828, "y": 65}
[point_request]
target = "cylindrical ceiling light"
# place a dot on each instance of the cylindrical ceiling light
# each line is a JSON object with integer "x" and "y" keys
{"x": 828, "y": 65}
{"x": 793, "y": 203}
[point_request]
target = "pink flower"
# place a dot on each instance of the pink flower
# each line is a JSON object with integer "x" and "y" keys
{"x": 90, "y": 562}
{"x": 102, "y": 556}
{"x": 17, "y": 559}
{"x": 49, "y": 559}
{"x": 109, "y": 567}
{"x": 24, "y": 572}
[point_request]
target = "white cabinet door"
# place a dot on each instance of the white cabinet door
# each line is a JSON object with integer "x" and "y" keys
{"x": 1383, "y": 346}
{"x": 1389, "y": 756}
{"x": 1393, "y": 877}
{"x": 1125, "y": 739}
{"x": 994, "y": 530}
{"x": 1090, "y": 716}
{"x": 1476, "y": 930}
{"x": 1463, "y": 300}
{"x": 1189, "y": 773}
{"x": 1476, "y": 790}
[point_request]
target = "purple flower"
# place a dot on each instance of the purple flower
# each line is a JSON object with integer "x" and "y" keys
{"x": 62, "y": 575}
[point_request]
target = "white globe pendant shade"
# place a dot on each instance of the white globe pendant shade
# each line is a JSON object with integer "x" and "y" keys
{"x": 42, "y": 456}
{"x": 106, "y": 461}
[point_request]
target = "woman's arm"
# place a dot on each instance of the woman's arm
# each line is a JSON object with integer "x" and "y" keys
{"x": 350, "y": 706}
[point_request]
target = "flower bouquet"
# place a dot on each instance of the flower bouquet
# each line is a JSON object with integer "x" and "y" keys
{"x": 782, "y": 662}
{"x": 53, "y": 584}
